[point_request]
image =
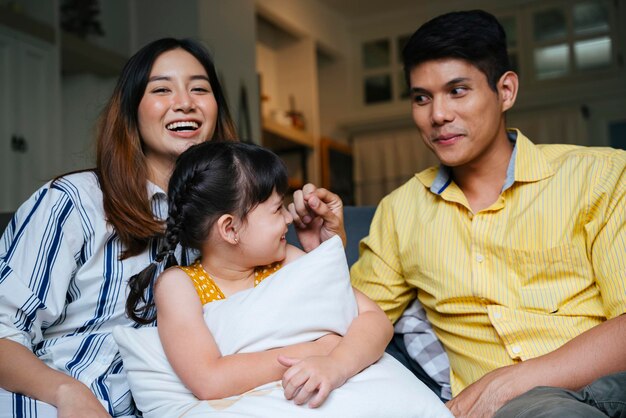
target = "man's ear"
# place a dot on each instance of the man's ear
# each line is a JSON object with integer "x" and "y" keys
{"x": 226, "y": 229}
{"x": 507, "y": 89}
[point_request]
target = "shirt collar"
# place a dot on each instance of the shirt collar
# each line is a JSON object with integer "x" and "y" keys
{"x": 527, "y": 164}
{"x": 155, "y": 192}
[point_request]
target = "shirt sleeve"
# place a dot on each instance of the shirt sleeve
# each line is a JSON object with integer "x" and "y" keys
{"x": 378, "y": 271}
{"x": 607, "y": 236}
{"x": 38, "y": 257}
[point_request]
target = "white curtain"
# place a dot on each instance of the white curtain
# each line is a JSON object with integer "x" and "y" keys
{"x": 565, "y": 125}
{"x": 384, "y": 160}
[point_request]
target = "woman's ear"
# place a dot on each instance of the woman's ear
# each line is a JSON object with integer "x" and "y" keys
{"x": 507, "y": 89}
{"x": 226, "y": 229}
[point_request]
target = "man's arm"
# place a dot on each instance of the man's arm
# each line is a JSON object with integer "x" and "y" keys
{"x": 593, "y": 354}
{"x": 378, "y": 271}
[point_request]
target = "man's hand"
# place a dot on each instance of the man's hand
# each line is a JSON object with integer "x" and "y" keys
{"x": 317, "y": 215}
{"x": 75, "y": 400}
{"x": 311, "y": 379}
{"x": 484, "y": 397}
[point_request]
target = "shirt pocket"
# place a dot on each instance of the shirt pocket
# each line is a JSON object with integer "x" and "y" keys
{"x": 547, "y": 278}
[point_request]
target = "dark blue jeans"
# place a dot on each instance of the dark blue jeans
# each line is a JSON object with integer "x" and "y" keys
{"x": 397, "y": 349}
{"x": 606, "y": 397}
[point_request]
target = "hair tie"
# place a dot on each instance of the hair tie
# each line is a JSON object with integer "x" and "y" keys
{"x": 163, "y": 255}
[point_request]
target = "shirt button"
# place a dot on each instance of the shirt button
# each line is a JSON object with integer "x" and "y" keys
{"x": 497, "y": 315}
{"x": 516, "y": 349}
{"x": 480, "y": 258}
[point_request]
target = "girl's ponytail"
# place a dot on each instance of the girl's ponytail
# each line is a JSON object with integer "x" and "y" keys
{"x": 139, "y": 307}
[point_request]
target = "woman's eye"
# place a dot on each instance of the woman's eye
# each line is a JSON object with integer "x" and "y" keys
{"x": 160, "y": 90}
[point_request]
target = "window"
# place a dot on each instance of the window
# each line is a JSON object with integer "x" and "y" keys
{"x": 383, "y": 77}
{"x": 547, "y": 41}
{"x": 570, "y": 39}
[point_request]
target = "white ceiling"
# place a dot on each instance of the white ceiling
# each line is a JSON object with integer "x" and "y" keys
{"x": 363, "y": 8}
{"x": 370, "y": 8}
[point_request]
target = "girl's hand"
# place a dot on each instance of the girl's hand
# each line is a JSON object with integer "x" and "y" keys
{"x": 311, "y": 379}
{"x": 75, "y": 400}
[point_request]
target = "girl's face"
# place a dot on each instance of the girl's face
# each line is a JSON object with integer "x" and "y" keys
{"x": 262, "y": 236}
{"x": 177, "y": 110}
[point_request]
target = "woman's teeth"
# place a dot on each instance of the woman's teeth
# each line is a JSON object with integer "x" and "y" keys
{"x": 183, "y": 126}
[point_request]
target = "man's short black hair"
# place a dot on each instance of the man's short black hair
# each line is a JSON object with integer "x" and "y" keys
{"x": 474, "y": 36}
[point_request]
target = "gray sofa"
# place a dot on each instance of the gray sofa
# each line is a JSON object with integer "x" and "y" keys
{"x": 357, "y": 221}
{"x": 5, "y": 217}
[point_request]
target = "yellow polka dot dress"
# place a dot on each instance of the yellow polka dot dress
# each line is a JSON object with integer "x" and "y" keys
{"x": 206, "y": 287}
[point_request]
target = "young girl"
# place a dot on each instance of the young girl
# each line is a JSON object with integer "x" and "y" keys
{"x": 226, "y": 201}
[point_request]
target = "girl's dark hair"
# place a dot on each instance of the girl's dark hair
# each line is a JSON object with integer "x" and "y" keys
{"x": 210, "y": 179}
{"x": 120, "y": 162}
{"x": 474, "y": 36}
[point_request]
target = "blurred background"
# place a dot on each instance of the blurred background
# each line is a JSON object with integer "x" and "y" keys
{"x": 318, "y": 81}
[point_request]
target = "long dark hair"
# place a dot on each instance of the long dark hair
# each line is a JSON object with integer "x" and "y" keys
{"x": 120, "y": 162}
{"x": 474, "y": 36}
{"x": 210, "y": 179}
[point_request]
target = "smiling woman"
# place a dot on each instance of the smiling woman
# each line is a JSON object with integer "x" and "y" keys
{"x": 66, "y": 257}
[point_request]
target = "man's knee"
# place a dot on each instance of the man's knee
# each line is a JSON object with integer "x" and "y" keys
{"x": 548, "y": 402}
{"x": 608, "y": 394}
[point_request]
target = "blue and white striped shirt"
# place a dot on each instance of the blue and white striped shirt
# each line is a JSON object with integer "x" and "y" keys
{"x": 63, "y": 286}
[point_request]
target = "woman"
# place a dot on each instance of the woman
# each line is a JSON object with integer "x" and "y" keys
{"x": 67, "y": 255}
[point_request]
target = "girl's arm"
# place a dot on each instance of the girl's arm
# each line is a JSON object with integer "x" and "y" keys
{"x": 312, "y": 379}
{"x": 293, "y": 253}
{"x": 193, "y": 352}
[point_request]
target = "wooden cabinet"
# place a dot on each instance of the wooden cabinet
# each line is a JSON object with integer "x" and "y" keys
{"x": 294, "y": 146}
{"x": 337, "y": 169}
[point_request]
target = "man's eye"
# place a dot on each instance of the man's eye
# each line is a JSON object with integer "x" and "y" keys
{"x": 458, "y": 91}
{"x": 420, "y": 99}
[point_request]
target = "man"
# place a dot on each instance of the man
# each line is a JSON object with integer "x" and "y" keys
{"x": 517, "y": 252}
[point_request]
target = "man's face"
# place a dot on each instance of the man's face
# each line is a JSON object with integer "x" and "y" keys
{"x": 460, "y": 118}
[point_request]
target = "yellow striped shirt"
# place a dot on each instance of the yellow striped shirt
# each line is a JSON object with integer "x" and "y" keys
{"x": 517, "y": 280}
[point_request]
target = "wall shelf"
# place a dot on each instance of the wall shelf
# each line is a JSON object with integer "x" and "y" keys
{"x": 280, "y": 137}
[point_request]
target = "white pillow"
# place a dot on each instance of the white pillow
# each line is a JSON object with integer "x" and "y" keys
{"x": 301, "y": 302}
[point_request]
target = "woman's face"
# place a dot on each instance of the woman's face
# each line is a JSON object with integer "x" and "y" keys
{"x": 177, "y": 110}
